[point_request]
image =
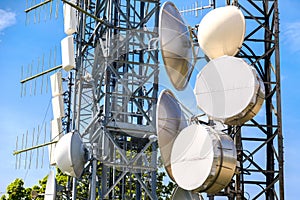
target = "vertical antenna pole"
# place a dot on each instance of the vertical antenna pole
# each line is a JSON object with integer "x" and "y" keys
{"x": 93, "y": 182}
{"x": 278, "y": 97}
{"x": 74, "y": 189}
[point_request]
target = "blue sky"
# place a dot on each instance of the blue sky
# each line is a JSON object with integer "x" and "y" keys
{"x": 22, "y": 44}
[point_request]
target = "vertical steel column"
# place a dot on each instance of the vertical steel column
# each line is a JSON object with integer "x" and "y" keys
{"x": 114, "y": 102}
{"x": 259, "y": 142}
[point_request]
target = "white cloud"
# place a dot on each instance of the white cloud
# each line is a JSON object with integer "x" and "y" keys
{"x": 7, "y": 19}
{"x": 291, "y": 36}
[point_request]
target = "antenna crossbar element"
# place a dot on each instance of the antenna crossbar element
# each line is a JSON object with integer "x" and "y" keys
{"x": 34, "y": 147}
{"x": 40, "y": 74}
{"x": 37, "y": 6}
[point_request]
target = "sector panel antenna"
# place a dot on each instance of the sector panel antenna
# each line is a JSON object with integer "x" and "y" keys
{"x": 67, "y": 53}
{"x": 70, "y": 154}
{"x": 50, "y": 192}
{"x": 229, "y": 90}
{"x": 176, "y": 46}
{"x": 170, "y": 121}
{"x": 70, "y": 18}
{"x": 181, "y": 194}
{"x": 56, "y": 84}
{"x": 58, "y": 107}
{"x": 221, "y": 32}
{"x": 202, "y": 159}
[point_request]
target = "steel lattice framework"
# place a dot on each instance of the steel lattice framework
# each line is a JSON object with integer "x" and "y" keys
{"x": 261, "y": 49}
{"x": 115, "y": 95}
{"x": 259, "y": 142}
{"x": 116, "y": 89}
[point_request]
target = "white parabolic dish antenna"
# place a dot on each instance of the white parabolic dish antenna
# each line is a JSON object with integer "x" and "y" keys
{"x": 176, "y": 46}
{"x": 221, "y": 32}
{"x": 229, "y": 90}
{"x": 202, "y": 159}
{"x": 50, "y": 192}
{"x": 70, "y": 154}
{"x": 170, "y": 121}
{"x": 181, "y": 194}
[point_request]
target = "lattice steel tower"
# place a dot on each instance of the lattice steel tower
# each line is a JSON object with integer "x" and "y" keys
{"x": 116, "y": 88}
{"x": 260, "y": 141}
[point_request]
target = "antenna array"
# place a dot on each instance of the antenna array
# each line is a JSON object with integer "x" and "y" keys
{"x": 117, "y": 118}
{"x": 41, "y": 10}
{"x": 32, "y": 76}
{"x": 196, "y": 7}
{"x": 29, "y": 148}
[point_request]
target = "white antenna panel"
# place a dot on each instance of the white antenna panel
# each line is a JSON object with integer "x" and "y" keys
{"x": 181, "y": 194}
{"x": 58, "y": 107}
{"x": 56, "y": 84}
{"x": 221, "y": 32}
{"x": 67, "y": 51}
{"x": 70, "y": 154}
{"x": 70, "y": 19}
{"x": 51, "y": 152}
{"x": 56, "y": 129}
{"x": 202, "y": 159}
{"x": 170, "y": 121}
{"x": 176, "y": 45}
{"x": 50, "y": 192}
{"x": 228, "y": 90}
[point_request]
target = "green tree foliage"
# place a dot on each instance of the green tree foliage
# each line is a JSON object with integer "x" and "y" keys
{"x": 16, "y": 191}
{"x": 164, "y": 191}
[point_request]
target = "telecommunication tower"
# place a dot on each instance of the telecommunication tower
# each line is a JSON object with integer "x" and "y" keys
{"x": 114, "y": 93}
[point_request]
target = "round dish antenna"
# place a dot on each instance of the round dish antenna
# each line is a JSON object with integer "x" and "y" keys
{"x": 202, "y": 159}
{"x": 50, "y": 192}
{"x": 176, "y": 45}
{"x": 221, "y": 32}
{"x": 181, "y": 194}
{"x": 71, "y": 154}
{"x": 170, "y": 121}
{"x": 229, "y": 90}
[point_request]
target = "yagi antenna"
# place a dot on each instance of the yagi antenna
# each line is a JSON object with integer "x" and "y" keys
{"x": 195, "y": 8}
{"x": 28, "y": 146}
{"x": 28, "y": 78}
{"x": 37, "y": 9}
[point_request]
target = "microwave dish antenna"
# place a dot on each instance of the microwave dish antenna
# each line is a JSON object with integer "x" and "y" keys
{"x": 170, "y": 121}
{"x": 176, "y": 46}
